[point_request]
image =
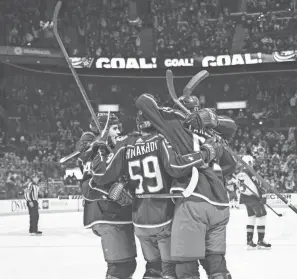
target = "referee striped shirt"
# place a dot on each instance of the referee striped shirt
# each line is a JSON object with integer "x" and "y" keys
{"x": 31, "y": 193}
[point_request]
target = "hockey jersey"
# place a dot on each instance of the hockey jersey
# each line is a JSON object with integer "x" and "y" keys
{"x": 169, "y": 122}
{"x": 231, "y": 185}
{"x": 248, "y": 184}
{"x": 97, "y": 207}
{"x": 149, "y": 163}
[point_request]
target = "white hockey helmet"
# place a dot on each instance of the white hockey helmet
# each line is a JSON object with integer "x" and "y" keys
{"x": 248, "y": 159}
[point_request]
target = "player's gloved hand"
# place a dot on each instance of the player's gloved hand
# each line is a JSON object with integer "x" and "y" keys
{"x": 209, "y": 118}
{"x": 101, "y": 146}
{"x": 31, "y": 204}
{"x": 213, "y": 148}
{"x": 82, "y": 146}
{"x": 194, "y": 121}
{"x": 119, "y": 194}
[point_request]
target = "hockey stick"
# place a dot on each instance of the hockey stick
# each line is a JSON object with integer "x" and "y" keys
{"x": 171, "y": 89}
{"x": 278, "y": 214}
{"x": 194, "y": 82}
{"x": 78, "y": 82}
{"x": 75, "y": 153}
{"x": 160, "y": 196}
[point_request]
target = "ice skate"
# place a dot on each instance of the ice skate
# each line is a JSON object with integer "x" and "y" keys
{"x": 262, "y": 245}
{"x": 251, "y": 245}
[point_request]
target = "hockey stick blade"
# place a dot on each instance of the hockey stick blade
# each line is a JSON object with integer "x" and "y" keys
{"x": 78, "y": 82}
{"x": 104, "y": 131}
{"x": 171, "y": 89}
{"x": 68, "y": 157}
{"x": 194, "y": 82}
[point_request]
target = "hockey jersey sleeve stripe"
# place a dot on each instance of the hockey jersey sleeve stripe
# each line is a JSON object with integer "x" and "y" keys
{"x": 97, "y": 189}
{"x": 185, "y": 160}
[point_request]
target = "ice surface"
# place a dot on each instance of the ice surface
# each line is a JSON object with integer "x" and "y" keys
{"x": 67, "y": 250}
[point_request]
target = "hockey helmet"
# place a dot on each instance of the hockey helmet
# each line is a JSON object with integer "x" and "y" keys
{"x": 248, "y": 159}
{"x": 190, "y": 102}
{"x": 141, "y": 122}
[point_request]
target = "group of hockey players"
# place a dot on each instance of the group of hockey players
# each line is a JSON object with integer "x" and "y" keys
{"x": 164, "y": 183}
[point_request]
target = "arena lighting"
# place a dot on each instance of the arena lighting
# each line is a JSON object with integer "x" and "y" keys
{"x": 232, "y": 105}
{"x": 111, "y": 108}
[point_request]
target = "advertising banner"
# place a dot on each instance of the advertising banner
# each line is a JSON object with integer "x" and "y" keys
{"x": 201, "y": 62}
{"x": 76, "y": 203}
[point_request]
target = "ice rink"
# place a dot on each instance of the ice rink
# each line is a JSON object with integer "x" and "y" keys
{"x": 67, "y": 250}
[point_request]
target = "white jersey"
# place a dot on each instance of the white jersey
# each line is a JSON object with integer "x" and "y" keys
{"x": 248, "y": 180}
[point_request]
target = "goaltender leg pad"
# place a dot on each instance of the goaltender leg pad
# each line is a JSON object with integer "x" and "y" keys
{"x": 118, "y": 241}
{"x": 122, "y": 270}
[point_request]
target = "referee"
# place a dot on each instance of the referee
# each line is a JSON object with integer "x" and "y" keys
{"x": 31, "y": 196}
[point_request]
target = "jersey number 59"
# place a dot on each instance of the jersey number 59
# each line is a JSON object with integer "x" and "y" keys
{"x": 147, "y": 172}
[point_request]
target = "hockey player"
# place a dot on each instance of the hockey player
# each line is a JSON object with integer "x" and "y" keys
{"x": 150, "y": 163}
{"x": 109, "y": 219}
{"x": 231, "y": 185}
{"x": 251, "y": 195}
{"x": 199, "y": 224}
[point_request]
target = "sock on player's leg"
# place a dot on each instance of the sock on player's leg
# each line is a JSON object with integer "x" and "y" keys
{"x": 261, "y": 233}
{"x": 261, "y": 228}
{"x": 250, "y": 227}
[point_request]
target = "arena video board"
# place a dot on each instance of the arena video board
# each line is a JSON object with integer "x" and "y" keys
{"x": 221, "y": 63}
{"x": 201, "y": 62}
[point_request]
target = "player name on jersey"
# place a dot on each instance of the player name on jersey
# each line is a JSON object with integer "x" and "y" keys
{"x": 141, "y": 149}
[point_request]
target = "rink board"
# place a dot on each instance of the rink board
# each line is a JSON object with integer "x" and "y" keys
{"x": 75, "y": 204}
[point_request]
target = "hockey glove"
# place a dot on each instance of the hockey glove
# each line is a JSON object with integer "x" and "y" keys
{"x": 101, "y": 146}
{"x": 194, "y": 121}
{"x": 119, "y": 194}
{"x": 213, "y": 148}
{"x": 208, "y": 118}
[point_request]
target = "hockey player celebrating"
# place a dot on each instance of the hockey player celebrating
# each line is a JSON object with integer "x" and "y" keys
{"x": 110, "y": 220}
{"x": 149, "y": 162}
{"x": 199, "y": 224}
{"x": 251, "y": 195}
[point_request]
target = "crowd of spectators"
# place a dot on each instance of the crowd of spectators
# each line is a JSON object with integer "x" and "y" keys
{"x": 180, "y": 27}
{"x": 269, "y": 32}
{"x": 46, "y": 119}
{"x": 191, "y": 28}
